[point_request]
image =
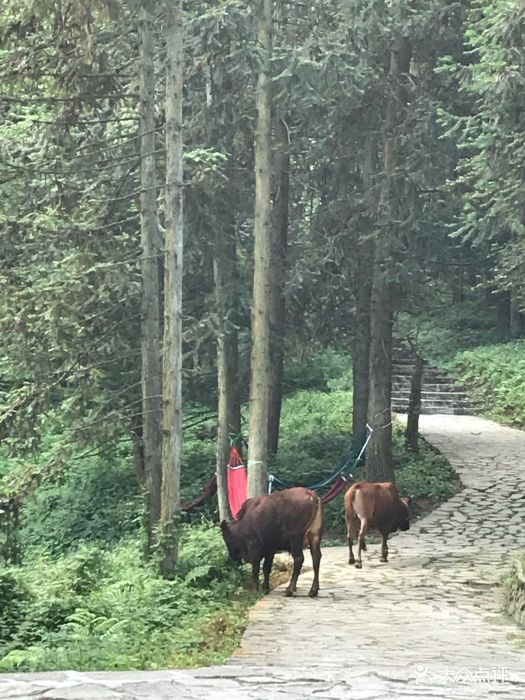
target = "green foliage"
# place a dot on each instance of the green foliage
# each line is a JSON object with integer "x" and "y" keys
{"x": 515, "y": 590}
{"x": 494, "y": 373}
{"x": 426, "y": 476}
{"x": 106, "y": 609}
{"x": 13, "y": 604}
{"x": 323, "y": 370}
{"x": 442, "y": 333}
{"x": 491, "y": 126}
{"x": 95, "y": 499}
{"x": 94, "y": 495}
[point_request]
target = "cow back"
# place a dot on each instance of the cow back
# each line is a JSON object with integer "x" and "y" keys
{"x": 377, "y": 503}
{"x": 277, "y": 518}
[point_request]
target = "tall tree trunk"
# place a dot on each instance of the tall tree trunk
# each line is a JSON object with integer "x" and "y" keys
{"x": 361, "y": 349}
{"x": 260, "y": 356}
{"x": 516, "y": 324}
{"x": 151, "y": 376}
{"x": 279, "y": 245}
{"x": 414, "y": 405}
{"x": 172, "y": 365}
{"x": 379, "y": 462}
{"x": 138, "y": 451}
{"x": 229, "y": 410}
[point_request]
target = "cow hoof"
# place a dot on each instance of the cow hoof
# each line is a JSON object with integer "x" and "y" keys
{"x": 358, "y": 565}
{"x": 288, "y": 593}
{"x": 384, "y": 560}
{"x": 351, "y": 561}
{"x": 313, "y": 593}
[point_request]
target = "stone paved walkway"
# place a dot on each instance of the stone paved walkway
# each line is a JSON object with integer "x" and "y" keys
{"x": 426, "y": 625}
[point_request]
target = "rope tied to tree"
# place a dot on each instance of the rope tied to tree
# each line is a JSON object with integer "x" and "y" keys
{"x": 340, "y": 468}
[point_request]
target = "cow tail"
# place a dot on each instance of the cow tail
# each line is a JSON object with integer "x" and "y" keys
{"x": 317, "y": 522}
{"x": 349, "y": 505}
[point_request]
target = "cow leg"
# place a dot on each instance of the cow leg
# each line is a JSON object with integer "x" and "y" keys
{"x": 267, "y": 568}
{"x": 256, "y": 568}
{"x": 314, "y": 542}
{"x": 384, "y": 547}
{"x": 362, "y": 533}
{"x": 351, "y": 534}
{"x": 296, "y": 550}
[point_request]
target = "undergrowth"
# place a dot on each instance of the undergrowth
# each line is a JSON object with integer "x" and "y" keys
{"x": 106, "y": 609}
{"x": 494, "y": 375}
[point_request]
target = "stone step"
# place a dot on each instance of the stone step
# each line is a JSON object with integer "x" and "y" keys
{"x": 436, "y": 410}
{"x": 465, "y": 401}
{"x": 399, "y": 360}
{"x": 448, "y": 385}
{"x": 429, "y": 395}
{"x": 439, "y": 388}
{"x": 465, "y": 408}
{"x": 436, "y": 397}
{"x": 407, "y": 371}
{"x": 440, "y": 393}
{"x": 427, "y": 378}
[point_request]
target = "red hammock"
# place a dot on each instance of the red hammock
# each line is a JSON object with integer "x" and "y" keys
{"x": 334, "y": 491}
{"x": 237, "y": 481}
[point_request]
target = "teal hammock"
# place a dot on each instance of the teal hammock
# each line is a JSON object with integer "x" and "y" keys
{"x": 341, "y": 467}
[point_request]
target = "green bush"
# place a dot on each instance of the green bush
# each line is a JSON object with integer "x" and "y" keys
{"x": 107, "y": 609}
{"x": 14, "y": 598}
{"x": 94, "y": 500}
{"x": 447, "y": 330}
{"x": 426, "y": 475}
{"x": 495, "y": 375}
{"x": 322, "y": 371}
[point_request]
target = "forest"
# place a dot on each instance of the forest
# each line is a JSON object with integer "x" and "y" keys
{"x": 217, "y": 222}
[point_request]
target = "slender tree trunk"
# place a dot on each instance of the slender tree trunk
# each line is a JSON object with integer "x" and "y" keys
{"x": 229, "y": 410}
{"x": 172, "y": 365}
{"x": 151, "y": 378}
{"x": 515, "y": 317}
{"x": 414, "y": 405}
{"x": 138, "y": 452}
{"x": 361, "y": 350}
{"x": 379, "y": 463}
{"x": 279, "y": 245}
{"x": 260, "y": 356}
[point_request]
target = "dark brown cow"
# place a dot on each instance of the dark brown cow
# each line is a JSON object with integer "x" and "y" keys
{"x": 377, "y": 506}
{"x": 279, "y": 522}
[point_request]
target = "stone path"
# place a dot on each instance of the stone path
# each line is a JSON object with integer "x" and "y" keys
{"x": 426, "y": 625}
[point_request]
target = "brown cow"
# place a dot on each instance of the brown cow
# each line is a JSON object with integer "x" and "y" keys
{"x": 377, "y": 506}
{"x": 279, "y": 522}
